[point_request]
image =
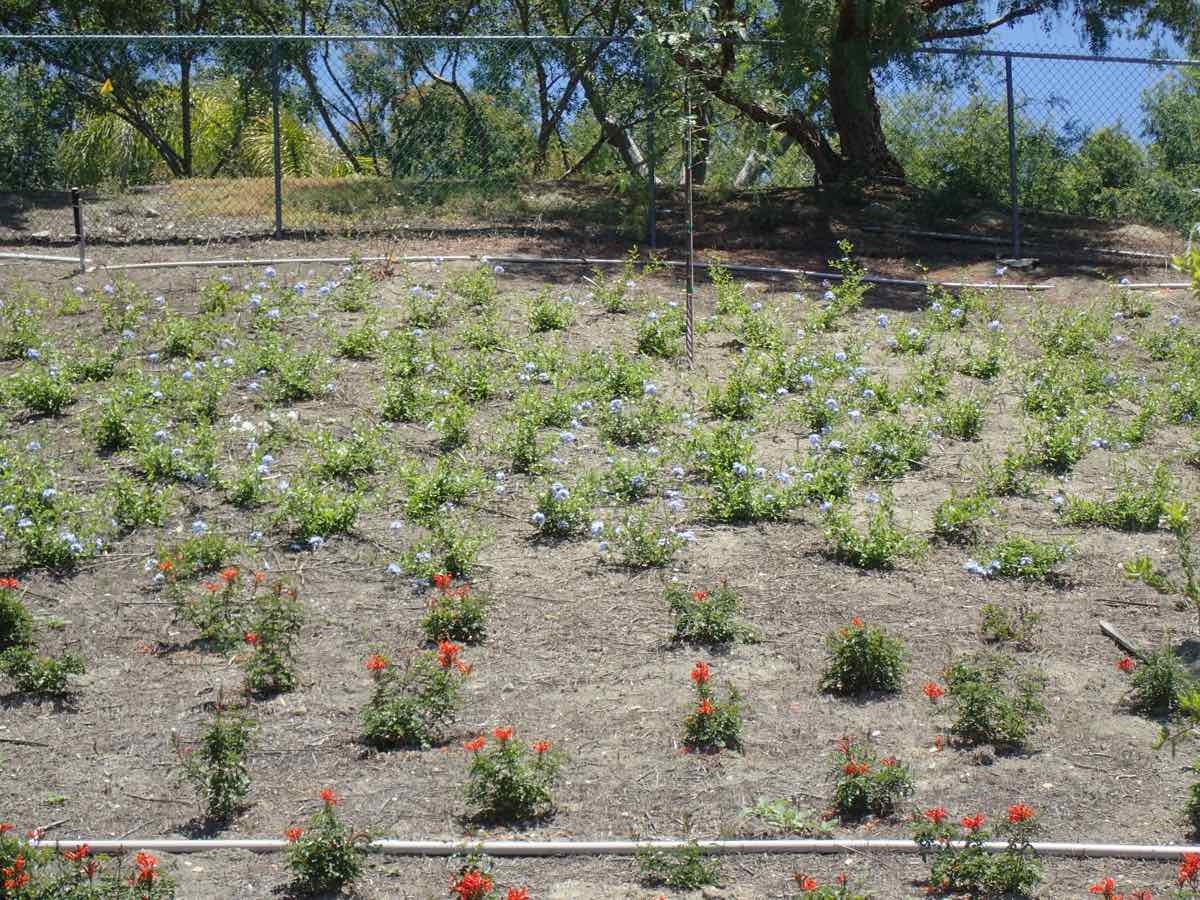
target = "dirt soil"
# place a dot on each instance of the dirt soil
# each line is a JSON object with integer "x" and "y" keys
{"x": 578, "y": 651}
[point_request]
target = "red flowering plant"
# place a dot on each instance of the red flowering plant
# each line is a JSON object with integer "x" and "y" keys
{"x": 328, "y": 854}
{"x": 455, "y": 612}
{"x": 961, "y": 865}
{"x": 508, "y": 781}
{"x": 413, "y": 705}
{"x": 16, "y": 623}
{"x": 475, "y": 882}
{"x": 240, "y": 607}
{"x": 864, "y": 784}
{"x": 863, "y": 658}
{"x": 713, "y": 724}
{"x": 813, "y": 889}
{"x": 1107, "y": 888}
{"x": 28, "y": 869}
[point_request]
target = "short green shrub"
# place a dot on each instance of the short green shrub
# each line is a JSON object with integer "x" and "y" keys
{"x": 510, "y": 782}
{"x": 994, "y": 703}
{"x": 216, "y": 765}
{"x": 328, "y": 854}
{"x": 864, "y": 784}
{"x": 685, "y": 869}
{"x": 707, "y": 617}
{"x": 863, "y": 658}
{"x": 714, "y": 724}
{"x": 413, "y": 705}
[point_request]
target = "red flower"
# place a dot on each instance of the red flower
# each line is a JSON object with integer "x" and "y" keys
{"x": 376, "y": 663}
{"x": 229, "y": 575}
{"x": 147, "y": 867}
{"x": 1020, "y": 812}
{"x": 442, "y": 581}
{"x": 806, "y": 883}
{"x": 933, "y": 691}
{"x": 1126, "y": 664}
{"x": 517, "y": 894}
{"x": 211, "y": 586}
{"x": 472, "y": 886}
{"x": 329, "y": 797}
{"x": 841, "y": 879}
{"x": 972, "y": 823}
{"x": 843, "y": 744}
{"x": 9, "y": 584}
{"x": 1105, "y": 886}
{"x": 475, "y": 744}
{"x": 90, "y": 868}
{"x": 259, "y": 577}
{"x": 293, "y": 834}
{"x": 540, "y": 747}
{"x": 701, "y": 673}
{"x": 854, "y": 769}
{"x": 502, "y": 734}
{"x": 1189, "y": 868}
{"x": 937, "y": 815}
{"x": 706, "y": 707}
{"x": 15, "y": 876}
{"x": 856, "y": 622}
{"x": 447, "y": 653}
{"x": 165, "y": 565}
{"x": 6, "y": 827}
{"x": 78, "y": 853}
{"x": 252, "y": 638}
{"x": 888, "y": 761}
{"x": 699, "y": 596}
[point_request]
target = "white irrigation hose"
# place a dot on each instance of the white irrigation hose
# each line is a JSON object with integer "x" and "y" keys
{"x": 629, "y": 848}
{"x": 41, "y": 257}
{"x": 566, "y": 260}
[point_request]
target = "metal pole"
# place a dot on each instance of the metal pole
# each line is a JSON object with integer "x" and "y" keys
{"x": 651, "y": 186}
{"x": 691, "y": 244}
{"x": 276, "y": 149}
{"x": 77, "y": 212}
{"x": 1012, "y": 158}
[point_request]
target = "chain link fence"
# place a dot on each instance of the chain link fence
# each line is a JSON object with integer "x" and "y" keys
{"x": 192, "y": 139}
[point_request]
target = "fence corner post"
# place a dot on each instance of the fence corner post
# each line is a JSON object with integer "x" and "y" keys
{"x": 1013, "y": 193}
{"x": 77, "y": 212}
{"x": 276, "y": 149}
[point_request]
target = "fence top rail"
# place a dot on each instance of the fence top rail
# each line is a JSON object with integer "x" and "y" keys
{"x": 1069, "y": 57}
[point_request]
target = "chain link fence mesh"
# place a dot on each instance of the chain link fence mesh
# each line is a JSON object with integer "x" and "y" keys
{"x": 199, "y": 139}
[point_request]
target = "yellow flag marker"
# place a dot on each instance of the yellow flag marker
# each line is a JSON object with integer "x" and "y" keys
{"x": 107, "y": 87}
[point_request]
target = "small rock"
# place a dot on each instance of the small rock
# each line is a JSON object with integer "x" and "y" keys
{"x": 40, "y": 235}
{"x": 714, "y": 893}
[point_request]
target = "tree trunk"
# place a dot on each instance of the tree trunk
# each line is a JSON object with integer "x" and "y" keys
{"x": 617, "y": 136}
{"x": 852, "y": 99}
{"x": 185, "y": 108}
{"x": 756, "y": 163}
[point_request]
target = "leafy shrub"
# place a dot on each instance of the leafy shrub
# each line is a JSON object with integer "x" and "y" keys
{"x": 509, "y": 782}
{"x": 41, "y": 676}
{"x": 863, "y": 658}
{"x": 634, "y": 423}
{"x": 455, "y": 613}
{"x": 476, "y": 286}
{"x": 327, "y": 855}
{"x": 16, "y": 624}
{"x": 562, "y": 511}
{"x": 992, "y": 704}
{"x": 660, "y": 334}
{"x": 272, "y": 632}
{"x": 890, "y": 448}
{"x": 40, "y": 392}
{"x": 1137, "y": 506}
{"x": 714, "y": 724}
{"x": 707, "y": 617}
{"x": 957, "y": 518}
{"x": 962, "y": 419}
{"x": 217, "y": 765}
{"x": 780, "y": 816}
{"x": 314, "y": 509}
{"x": 413, "y": 705}
{"x": 1159, "y": 683}
{"x": 877, "y": 546}
{"x": 644, "y": 544}
{"x": 1008, "y": 477}
{"x": 686, "y": 868}
{"x": 548, "y": 314}
{"x": 1022, "y": 557}
{"x": 864, "y": 784}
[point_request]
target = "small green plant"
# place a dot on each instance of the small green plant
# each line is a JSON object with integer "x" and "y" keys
{"x": 361, "y": 342}
{"x": 563, "y": 511}
{"x": 994, "y": 703}
{"x": 660, "y": 334}
{"x": 455, "y": 613}
{"x": 133, "y": 504}
{"x": 327, "y": 855}
{"x": 843, "y": 296}
{"x": 1139, "y": 505}
{"x": 864, "y": 784}
{"x": 1057, "y": 446}
{"x": 714, "y": 724}
{"x": 960, "y": 864}
{"x": 863, "y": 658}
{"x": 877, "y": 546}
{"x": 548, "y": 314}
{"x": 216, "y": 765}
{"x": 1191, "y": 808}
{"x": 46, "y": 677}
{"x": 272, "y": 632}
{"x": 686, "y": 869}
{"x": 983, "y": 364}
{"x": 958, "y": 518}
{"x": 412, "y": 705}
{"x": 510, "y": 782}
{"x": 350, "y": 458}
{"x": 1159, "y": 684}
{"x": 1009, "y": 476}
{"x": 42, "y": 392}
{"x": 453, "y": 424}
{"x": 1018, "y": 626}
{"x": 633, "y": 423}
{"x": 961, "y": 419}
{"x": 642, "y": 543}
{"x": 1021, "y": 557}
{"x": 404, "y": 400}
{"x": 477, "y": 287}
{"x": 782, "y": 817}
{"x": 16, "y": 624}
{"x": 1177, "y": 519}
{"x": 315, "y": 510}
{"x": 889, "y": 448}
{"x": 707, "y": 617}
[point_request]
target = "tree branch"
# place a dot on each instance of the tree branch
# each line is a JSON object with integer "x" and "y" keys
{"x": 966, "y": 31}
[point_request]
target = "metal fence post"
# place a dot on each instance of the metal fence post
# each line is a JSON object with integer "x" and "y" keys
{"x": 1013, "y": 197}
{"x": 77, "y": 212}
{"x": 276, "y": 149}
{"x": 651, "y": 180}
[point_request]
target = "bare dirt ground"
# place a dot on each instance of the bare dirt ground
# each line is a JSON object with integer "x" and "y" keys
{"x": 579, "y": 649}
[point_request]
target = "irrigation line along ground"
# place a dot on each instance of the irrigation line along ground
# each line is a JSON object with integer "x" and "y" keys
{"x": 629, "y": 848}
{"x": 579, "y": 261}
